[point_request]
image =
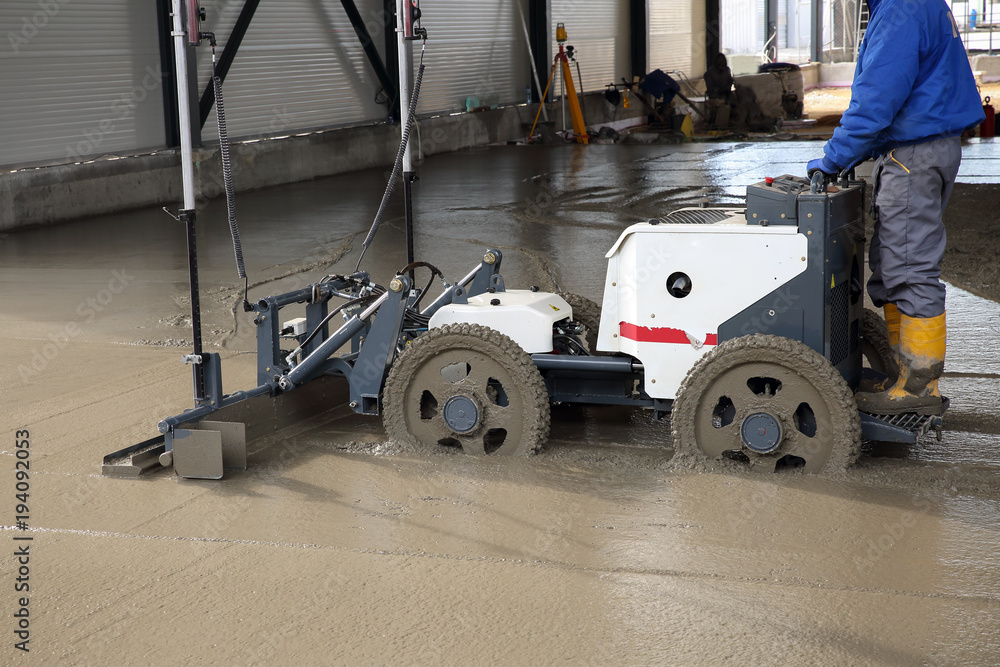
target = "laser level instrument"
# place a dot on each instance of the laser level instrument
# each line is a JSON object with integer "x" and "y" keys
{"x": 561, "y": 62}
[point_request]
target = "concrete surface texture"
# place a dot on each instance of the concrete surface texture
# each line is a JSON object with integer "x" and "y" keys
{"x": 336, "y": 547}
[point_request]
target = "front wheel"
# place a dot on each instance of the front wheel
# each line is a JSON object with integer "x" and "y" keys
{"x": 470, "y": 387}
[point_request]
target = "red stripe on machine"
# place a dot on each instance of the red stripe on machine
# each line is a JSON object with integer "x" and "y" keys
{"x": 660, "y": 335}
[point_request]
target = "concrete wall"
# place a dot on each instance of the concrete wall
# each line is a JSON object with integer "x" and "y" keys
{"x": 768, "y": 88}
{"x": 44, "y": 195}
{"x": 836, "y": 75}
{"x": 987, "y": 68}
{"x": 810, "y": 76}
{"x": 814, "y": 75}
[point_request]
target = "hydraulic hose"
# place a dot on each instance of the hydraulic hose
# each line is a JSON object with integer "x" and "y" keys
{"x": 398, "y": 166}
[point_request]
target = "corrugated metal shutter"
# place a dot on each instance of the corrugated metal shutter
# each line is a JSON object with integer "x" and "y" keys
{"x": 78, "y": 80}
{"x": 671, "y": 38}
{"x": 599, "y": 31}
{"x": 475, "y": 49}
{"x": 742, "y": 32}
{"x": 300, "y": 66}
{"x": 762, "y": 22}
{"x": 782, "y": 26}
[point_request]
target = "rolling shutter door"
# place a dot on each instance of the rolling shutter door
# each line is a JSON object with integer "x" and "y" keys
{"x": 599, "y": 32}
{"x": 475, "y": 49}
{"x": 671, "y": 37}
{"x": 742, "y": 29}
{"x": 300, "y": 66}
{"x": 78, "y": 80}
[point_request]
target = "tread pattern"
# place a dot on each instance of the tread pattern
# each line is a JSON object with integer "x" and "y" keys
{"x": 875, "y": 334}
{"x": 844, "y": 441}
{"x": 526, "y": 378}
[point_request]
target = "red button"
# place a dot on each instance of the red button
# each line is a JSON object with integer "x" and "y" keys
{"x": 769, "y": 180}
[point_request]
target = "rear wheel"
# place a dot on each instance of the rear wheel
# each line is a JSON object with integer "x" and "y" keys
{"x": 770, "y": 402}
{"x": 875, "y": 348}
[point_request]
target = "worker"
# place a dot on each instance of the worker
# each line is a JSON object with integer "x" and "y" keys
{"x": 913, "y": 95}
{"x": 719, "y": 80}
{"x": 719, "y": 90}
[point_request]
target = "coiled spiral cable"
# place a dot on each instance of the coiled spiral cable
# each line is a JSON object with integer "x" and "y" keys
{"x": 227, "y": 173}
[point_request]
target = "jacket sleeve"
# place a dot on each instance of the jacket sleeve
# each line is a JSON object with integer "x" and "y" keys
{"x": 884, "y": 80}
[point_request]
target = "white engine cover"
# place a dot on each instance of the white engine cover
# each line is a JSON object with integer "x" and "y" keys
{"x": 526, "y": 316}
{"x": 730, "y": 266}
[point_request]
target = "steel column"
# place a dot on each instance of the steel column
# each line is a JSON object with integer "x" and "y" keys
{"x": 712, "y": 31}
{"x": 374, "y": 59}
{"x": 171, "y": 124}
{"x": 229, "y": 50}
{"x": 639, "y": 36}
{"x": 405, "y": 82}
{"x": 771, "y": 28}
{"x": 187, "y": 213}
{"x": 538, "y": 29}
{"x": 391, "y": 54}
{"x": 816, "y": 31}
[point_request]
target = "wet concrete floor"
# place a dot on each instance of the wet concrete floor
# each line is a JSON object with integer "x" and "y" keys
{"x": 338, "y": 548}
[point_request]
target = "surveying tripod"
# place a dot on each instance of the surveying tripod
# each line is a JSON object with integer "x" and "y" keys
{"x": 579, "y": 127}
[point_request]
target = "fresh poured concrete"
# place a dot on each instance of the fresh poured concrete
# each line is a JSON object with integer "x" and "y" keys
{"x": 338, "y": 548}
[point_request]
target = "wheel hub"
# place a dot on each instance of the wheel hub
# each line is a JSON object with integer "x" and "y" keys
{"x": 461, "y": 414}
{"x": 761, "y": 433}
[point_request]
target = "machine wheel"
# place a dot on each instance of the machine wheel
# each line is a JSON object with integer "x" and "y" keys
{"x": 767, "y": 400}
{"x": 468, "y": 386}
{"x": 875, "y": 346}
{"x": 587, "y": 313}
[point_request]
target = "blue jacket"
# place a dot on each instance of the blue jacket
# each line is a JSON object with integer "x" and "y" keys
{"x": 913, "y": 83}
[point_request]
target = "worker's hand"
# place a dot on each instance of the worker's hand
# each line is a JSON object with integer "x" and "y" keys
{"x": 824, "y": 165}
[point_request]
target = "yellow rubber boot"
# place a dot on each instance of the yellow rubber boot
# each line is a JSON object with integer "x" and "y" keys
{"x": 921, "y": 362}
{"x": 892, "y": 324}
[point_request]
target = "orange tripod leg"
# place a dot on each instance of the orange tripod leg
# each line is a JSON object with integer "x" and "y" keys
{"x": 574, "y": 105}
{"x": 542, "y": 102}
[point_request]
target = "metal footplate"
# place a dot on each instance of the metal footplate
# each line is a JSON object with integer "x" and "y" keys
{"x": 905, "y": 428}
{"x": 203, "y": 450}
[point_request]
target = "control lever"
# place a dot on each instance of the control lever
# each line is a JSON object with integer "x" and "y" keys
{"x": 818, "y": 182}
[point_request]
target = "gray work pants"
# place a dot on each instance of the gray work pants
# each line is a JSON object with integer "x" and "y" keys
{"x": 912, "y": 187}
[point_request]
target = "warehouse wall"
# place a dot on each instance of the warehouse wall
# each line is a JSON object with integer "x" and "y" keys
{"x": 82, "y": 82}
{"x": 78, "y": 79}
{"x": 743, "y": 28}
{"x": 476, "y": 50}
{"x": 677, "y": 36}
{"x": 300, "y": 66}
{"x": 599, "y": 33}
